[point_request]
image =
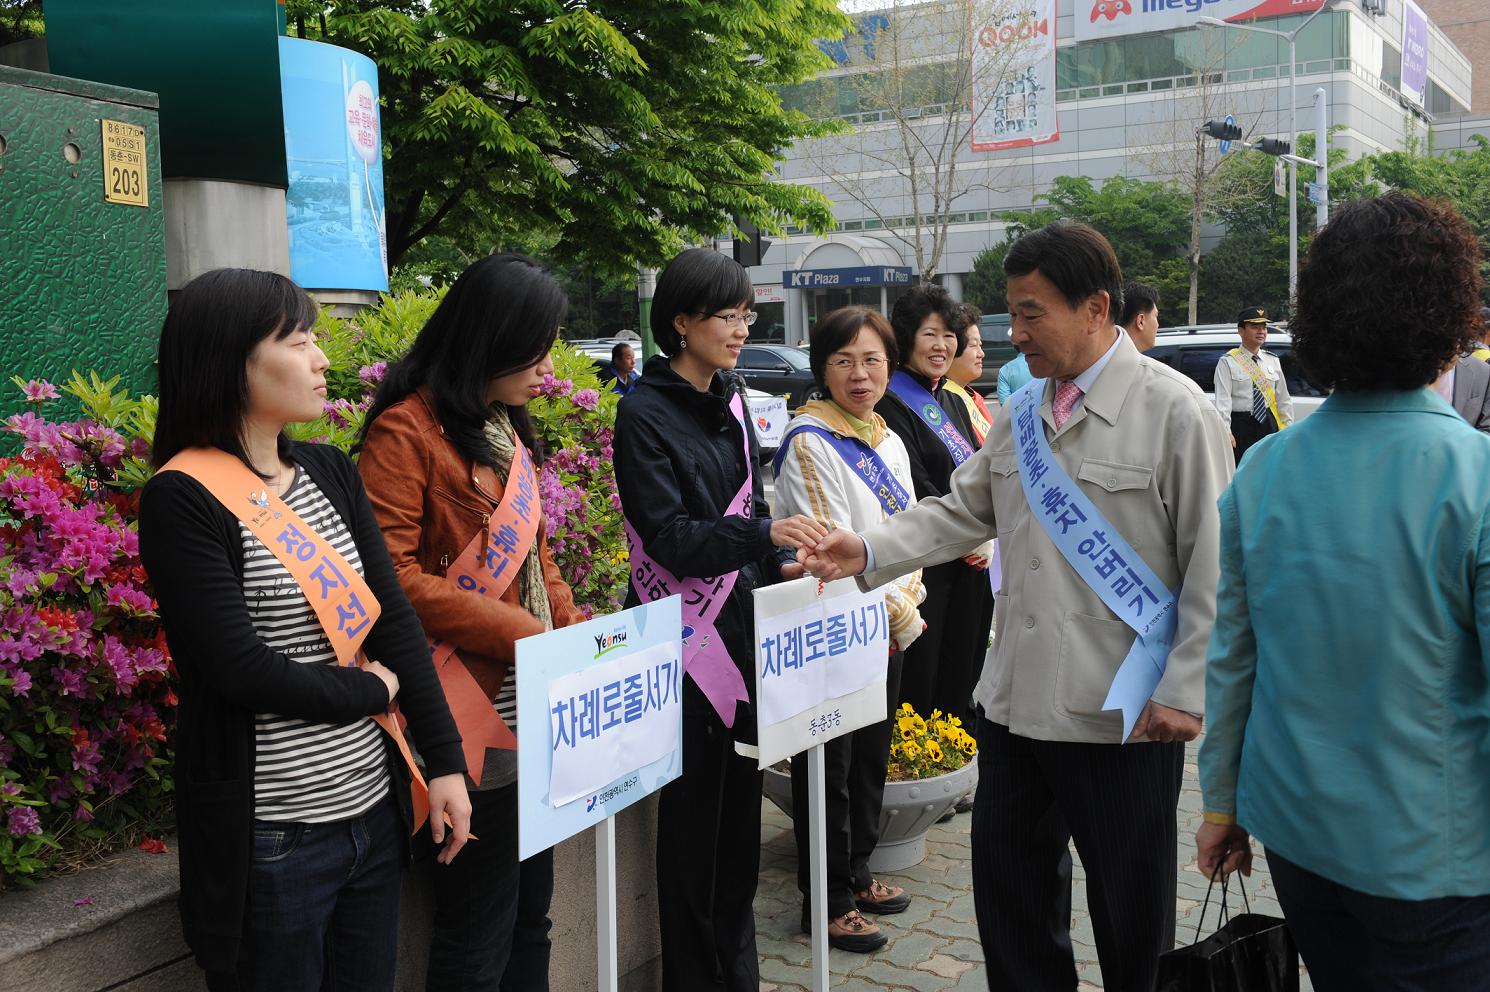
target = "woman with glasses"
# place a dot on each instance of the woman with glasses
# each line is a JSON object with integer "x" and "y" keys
{"x": 695, "y": 509}
{"x": 841, "y": 465}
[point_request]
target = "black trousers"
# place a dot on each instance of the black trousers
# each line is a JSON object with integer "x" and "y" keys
{"x": 854, "y": 790}
{"x": 1354, "y": 942}
{"x": 971, "y": 607}
{"x": 708, "y": 859}
{"x": 1117, "y": 802}
{"x": 491, "y": 920}
{"x": 942, "y": 667}
{"x": 1247, "y": 431}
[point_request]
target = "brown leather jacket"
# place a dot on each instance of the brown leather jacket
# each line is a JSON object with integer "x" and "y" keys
{"x": 430, "y": 501}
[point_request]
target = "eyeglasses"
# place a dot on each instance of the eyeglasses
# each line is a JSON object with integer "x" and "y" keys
{"x": 870, "y": 363}
{"x": 731, "y": 319}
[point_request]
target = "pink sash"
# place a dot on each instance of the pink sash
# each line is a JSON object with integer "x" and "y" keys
{"x": 705, "y": 657}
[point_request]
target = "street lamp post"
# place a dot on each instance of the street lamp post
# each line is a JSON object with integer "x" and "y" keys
{"x": 1293, "y": 128}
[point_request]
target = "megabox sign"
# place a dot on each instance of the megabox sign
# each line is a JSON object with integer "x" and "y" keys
{"x": 1099, "y": 19}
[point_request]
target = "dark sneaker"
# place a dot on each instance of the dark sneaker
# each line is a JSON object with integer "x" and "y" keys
{"x": 964, "y": 805}
{"x": 882, "y": 899}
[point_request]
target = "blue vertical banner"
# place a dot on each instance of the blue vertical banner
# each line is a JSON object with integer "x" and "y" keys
{"x": 334, "y": 153}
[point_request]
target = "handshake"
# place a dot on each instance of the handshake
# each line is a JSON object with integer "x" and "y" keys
{"x": 826, "y": 554}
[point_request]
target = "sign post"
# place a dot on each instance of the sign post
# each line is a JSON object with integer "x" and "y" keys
{"x": 821, "y": 654}
{"x": 599, "y": 726}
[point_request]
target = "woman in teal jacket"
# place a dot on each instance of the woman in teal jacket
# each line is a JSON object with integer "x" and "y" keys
{"x": 1347, "y": 696}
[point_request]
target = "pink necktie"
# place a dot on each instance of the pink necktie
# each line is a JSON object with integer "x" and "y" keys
{"x": 1066, "y": 395}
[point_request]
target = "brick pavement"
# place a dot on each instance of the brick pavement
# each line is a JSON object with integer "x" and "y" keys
{"x": 934, "y": 944}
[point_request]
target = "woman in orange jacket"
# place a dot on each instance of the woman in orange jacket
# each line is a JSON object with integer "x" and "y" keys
{"x": 449, "y": 461}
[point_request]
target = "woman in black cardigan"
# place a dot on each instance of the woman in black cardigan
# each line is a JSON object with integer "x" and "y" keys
{"x": 293, "y": 808}
{"x": 680, "y": 460}
{"x": 942, "y": 666}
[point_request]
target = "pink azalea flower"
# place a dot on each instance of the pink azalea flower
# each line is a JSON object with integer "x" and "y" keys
{"x": 373, "y": 374}
{"x": 22, "y": 821}
{"x": 587, "y": 399}
{"x": 38, "y": 391}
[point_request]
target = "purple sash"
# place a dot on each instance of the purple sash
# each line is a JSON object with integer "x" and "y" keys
{"x": 925, "y": 406}
{"x": 705, "y": 657}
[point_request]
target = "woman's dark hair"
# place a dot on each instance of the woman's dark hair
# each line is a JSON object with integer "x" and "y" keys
{"x": 1388, "y": 295}
{"x": 915, "y": 305}
{"x": 501, "y": 316}
{"x": 837, "y": 331}
{"x": 1138, "y": 297}
{"x": 1076, "y": 258}
{"x": 696, "y": 281}
{"x": 213, "y": 325}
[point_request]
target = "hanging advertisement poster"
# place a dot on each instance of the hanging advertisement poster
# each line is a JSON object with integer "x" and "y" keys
{"x": 1013, "y": 85}
{"x": 334, "y": 152}
{"x": 1414, "y": 52}
{"x": 1099, "y": 19}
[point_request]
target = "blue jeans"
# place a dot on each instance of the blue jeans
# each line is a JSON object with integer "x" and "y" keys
{"x": 491, "y": 910}
{"x": 1354, "y": 942}
{"x": 323, "y": 905}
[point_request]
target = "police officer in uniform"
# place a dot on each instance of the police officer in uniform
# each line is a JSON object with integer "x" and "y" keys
{"x": 1251, "y": 392}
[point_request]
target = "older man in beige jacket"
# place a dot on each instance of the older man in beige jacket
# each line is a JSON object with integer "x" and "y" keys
{"x": 1142, "y": 443}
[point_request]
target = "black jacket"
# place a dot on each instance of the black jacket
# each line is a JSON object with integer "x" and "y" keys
{"x": 931, "y": 462}
{"x": 679, "y": 460}
{"x": 192, "y": 549}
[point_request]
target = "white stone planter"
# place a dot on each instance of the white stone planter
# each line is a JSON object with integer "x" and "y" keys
{"x": 909, "y": 810}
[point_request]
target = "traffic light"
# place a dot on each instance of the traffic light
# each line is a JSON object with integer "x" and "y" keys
{"x": 1222, "y": 130}
{"x": 1274, "y": 146}
{"x": 750, "y": 249}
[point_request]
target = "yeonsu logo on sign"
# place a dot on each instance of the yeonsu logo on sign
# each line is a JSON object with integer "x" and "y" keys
{"x": 1111, "y": 18}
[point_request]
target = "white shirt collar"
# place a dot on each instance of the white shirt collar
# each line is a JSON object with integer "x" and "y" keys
{"x": 1086, "y": 380}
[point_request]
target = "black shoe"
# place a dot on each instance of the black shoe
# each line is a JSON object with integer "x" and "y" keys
{"x": 964, "y": 805}
{"x": 882, "y": 899}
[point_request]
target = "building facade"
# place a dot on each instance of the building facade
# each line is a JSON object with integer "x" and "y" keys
{"x": 1126, "y": 104}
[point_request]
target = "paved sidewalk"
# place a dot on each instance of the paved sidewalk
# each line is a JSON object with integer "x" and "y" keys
{"x": 934, "y": 944}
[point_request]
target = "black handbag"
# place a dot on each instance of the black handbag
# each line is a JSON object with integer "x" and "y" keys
{"x": 1250, "y": 953}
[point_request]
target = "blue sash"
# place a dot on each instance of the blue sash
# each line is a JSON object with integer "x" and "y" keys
{"x": 864, "y": 460}
{"x": 1098, "y": 553}
{"x": 925, "y": 406}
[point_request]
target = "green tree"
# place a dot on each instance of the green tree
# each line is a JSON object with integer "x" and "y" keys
{"x": 1249, "y": 265}
{"x": 620, "y": 128}
{"x": 986, "y": 287}
{"x": 20, "y": 20}
{"x": 1147, "y": 224}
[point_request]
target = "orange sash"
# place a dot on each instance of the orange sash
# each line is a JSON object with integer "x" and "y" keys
{"x": 337, "y": 592}
{"x": 487, "y": 566}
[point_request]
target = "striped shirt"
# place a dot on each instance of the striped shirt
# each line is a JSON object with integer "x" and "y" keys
{"x": 306, "y": 772}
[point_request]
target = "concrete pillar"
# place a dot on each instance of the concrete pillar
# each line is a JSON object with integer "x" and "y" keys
{"x": 796, "y": 316}
{"x": 29, "y": 54}
{"x": 214, "y": 224}
{"x": 952, "y": 283}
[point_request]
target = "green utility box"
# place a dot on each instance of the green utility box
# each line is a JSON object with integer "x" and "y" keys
{"x": 82, "y": 232}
